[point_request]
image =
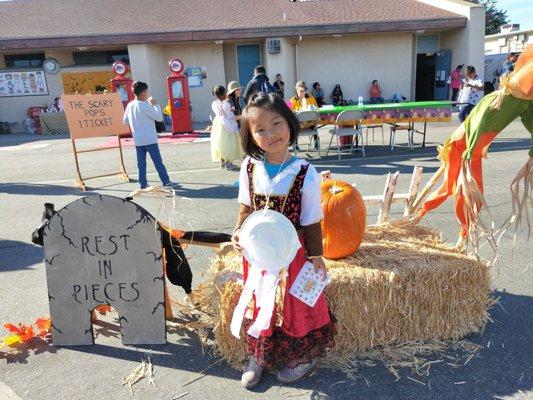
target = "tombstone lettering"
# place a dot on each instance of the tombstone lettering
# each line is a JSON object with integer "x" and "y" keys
{"x": 104, "y": 250}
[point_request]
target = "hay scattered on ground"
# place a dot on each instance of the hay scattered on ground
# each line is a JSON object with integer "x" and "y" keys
{"x": 417, "y": 356}
{"x": 144, "y": 370}
{"x": 397, "y": 299}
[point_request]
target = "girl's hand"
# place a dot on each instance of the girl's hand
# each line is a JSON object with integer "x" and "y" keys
{"x": 319, "y": 265}
{"x": 235, "y": 240}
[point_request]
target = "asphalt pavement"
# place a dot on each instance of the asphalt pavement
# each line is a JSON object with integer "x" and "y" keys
{"x": 40, "y": 169}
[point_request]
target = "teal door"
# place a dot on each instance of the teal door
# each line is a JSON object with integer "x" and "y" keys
{"x": 442, "y": 72}
{"x": 248, "y": 57}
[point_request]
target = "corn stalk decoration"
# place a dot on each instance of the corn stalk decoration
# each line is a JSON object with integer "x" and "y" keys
{"x": 462, "y": 154}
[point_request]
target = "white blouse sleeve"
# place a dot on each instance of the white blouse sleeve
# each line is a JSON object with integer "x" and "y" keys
{"x": 244, "y": 189}
{"x": 311, "y": 198}
{"x": 226, "y": 107}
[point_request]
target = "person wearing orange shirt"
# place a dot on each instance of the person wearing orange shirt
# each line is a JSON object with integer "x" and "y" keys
{"x": 376, "y": 96}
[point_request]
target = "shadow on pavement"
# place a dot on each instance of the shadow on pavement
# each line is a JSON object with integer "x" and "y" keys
{"x": 210, "y": 191}
{"x": 16, "y": 139}
{"x": 501, "y": 368}
{"x": 16, "y": 255}
{"x": 37, "y": 189}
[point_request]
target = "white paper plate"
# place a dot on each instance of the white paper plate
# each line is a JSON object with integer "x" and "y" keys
{"x": 269, "y": 240}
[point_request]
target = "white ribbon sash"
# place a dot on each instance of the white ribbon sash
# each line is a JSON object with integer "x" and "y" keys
{"x": 264, "y": 286}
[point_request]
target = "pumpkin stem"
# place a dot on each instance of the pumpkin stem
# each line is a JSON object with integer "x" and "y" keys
{"x": 336, "y": 189}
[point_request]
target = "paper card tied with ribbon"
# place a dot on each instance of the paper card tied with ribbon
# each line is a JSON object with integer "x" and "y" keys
{"x": 308, "y": 285}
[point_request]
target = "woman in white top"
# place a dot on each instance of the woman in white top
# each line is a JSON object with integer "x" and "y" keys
{"x": 225, "y": 143}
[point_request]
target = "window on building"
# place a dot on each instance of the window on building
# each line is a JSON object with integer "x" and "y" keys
{"x": 24, "y": 60}
{"x": 100, "y": 57}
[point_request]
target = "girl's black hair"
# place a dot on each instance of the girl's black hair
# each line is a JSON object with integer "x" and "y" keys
{"x": 219, "y": 92}
{"x": 272, "y": 102}
{"x": 315, "y": 85}
{"x": 374, "y": 81}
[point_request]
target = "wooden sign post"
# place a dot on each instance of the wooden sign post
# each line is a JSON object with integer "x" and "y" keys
{"x": 90, "y": 116}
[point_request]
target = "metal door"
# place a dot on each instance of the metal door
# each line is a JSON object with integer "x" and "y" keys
{"x": 442, "y": 72}
{"x": 248, "y": 57}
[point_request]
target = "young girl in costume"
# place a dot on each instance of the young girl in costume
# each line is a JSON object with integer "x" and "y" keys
{"x": 225, "y": 145}
{"x": 298, "y": 334}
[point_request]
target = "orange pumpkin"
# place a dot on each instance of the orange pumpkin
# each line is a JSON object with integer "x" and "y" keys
{"x": 343, "y": 226}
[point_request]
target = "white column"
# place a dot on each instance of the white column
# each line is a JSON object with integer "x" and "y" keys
{"x": 149, "y": 65}
{"x": 283, "y": 63}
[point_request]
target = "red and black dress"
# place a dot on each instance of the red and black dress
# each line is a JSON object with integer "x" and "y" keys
{"x": 298, "y": 333}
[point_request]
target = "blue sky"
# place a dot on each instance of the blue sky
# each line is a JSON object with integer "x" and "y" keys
{"x": 519, "y": 12}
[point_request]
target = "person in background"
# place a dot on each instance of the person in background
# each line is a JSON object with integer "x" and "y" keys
{"x": 234, "y": 97}
{"x": 318, "y": 94}
{"x": 58, "y": 104}
{"x": 140, "y": 115}
{"x": 300, "y": 102}
{"x": 279, "y": 85}
{"x": 337, "y": 98}
{"x": 456, "y": 81}
{"x": 167, "y": 114}
{"x": 508, "y": 64}
{"x": 376, "y": 95}
{"x": 259, "y": 83}
{"x": 225, "y": 145}
{"x": 471, "y": 92}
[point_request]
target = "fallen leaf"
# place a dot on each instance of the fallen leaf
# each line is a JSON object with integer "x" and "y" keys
{"x": 11, "y": 340}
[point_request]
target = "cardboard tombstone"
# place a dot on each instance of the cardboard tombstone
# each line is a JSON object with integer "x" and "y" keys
{"x": 104, "y": 250}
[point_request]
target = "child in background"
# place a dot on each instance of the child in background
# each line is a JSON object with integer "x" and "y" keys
{"x": 225, "y": 145}
{"x": 290, "y": 346}
{"x": 140, "y": 115}
{"x": 471, "y": 93}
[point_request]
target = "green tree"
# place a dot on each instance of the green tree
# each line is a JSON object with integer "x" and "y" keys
{"x": 494, "y": 17}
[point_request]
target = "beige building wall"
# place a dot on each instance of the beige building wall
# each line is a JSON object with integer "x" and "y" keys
{"x": 149, "y": 63}
{"x": 467, "y": 44}
{"x": 355, "y": 61}
{"x": 283, "y": 63}
{"x": 13, "y": 109}
{"x": 209, "y": 55}
{"x": 230, "y": 63}
{"x": 63, "y": 57}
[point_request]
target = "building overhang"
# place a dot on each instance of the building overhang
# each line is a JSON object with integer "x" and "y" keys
{"x": 232, "y": 34}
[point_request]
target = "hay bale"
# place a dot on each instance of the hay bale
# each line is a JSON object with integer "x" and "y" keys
{"x": 403, "y": 284}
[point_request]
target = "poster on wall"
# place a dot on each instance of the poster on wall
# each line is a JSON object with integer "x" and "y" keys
{"x": 93, "y": 82}
{"x": 195, "y": 75}
{"x": 23, "y": 83}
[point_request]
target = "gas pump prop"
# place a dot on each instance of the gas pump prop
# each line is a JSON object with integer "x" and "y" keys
{"x": 178, "y": 95}
{"x": 121, "y": 84}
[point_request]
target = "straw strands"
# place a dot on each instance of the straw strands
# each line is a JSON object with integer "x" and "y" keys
{"x": 403, "y": 286}
{"x": 144, "y": 370}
